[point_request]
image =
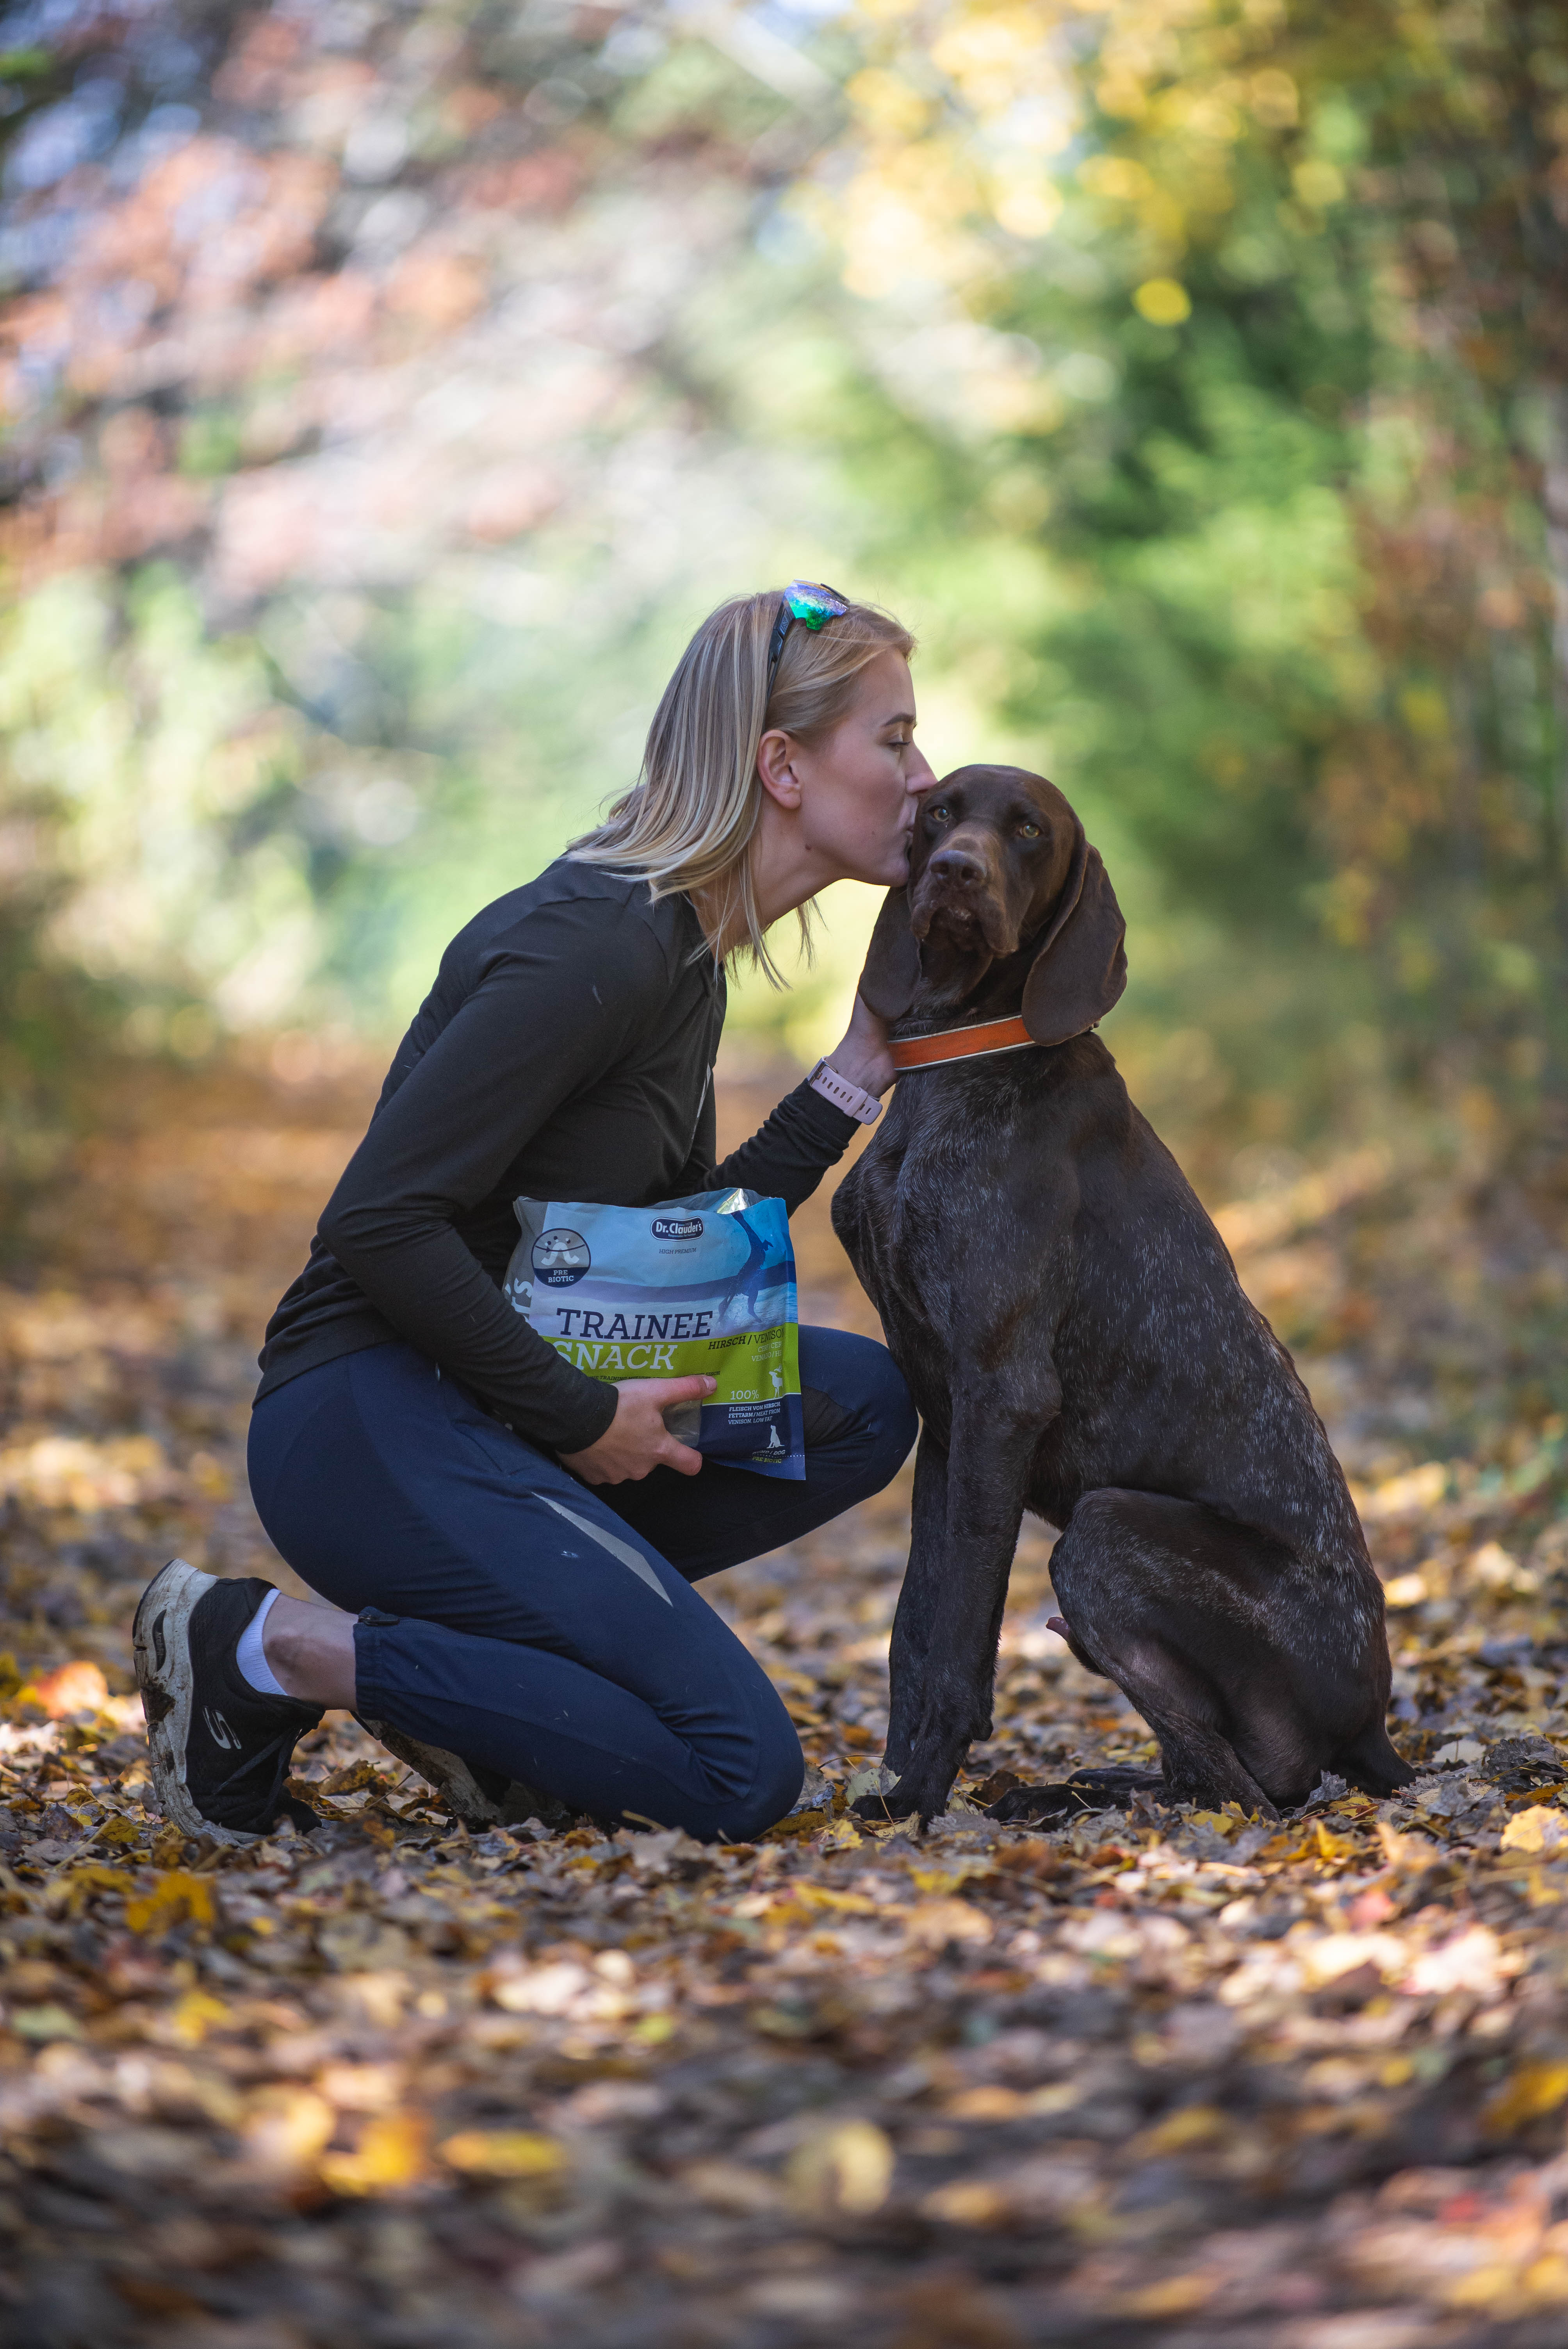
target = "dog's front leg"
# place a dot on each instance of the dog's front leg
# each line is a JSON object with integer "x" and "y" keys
{"x": 945, "y": 1664}
{"x": 909, "y": 1648}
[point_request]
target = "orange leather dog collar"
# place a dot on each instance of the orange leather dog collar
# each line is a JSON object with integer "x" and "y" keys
{"x": 960, "y": 1044}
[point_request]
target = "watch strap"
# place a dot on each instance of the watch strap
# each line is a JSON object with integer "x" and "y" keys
{"x": 851, "y": 1099}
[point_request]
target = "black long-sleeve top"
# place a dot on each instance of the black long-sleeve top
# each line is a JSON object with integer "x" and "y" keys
{"x": 565, "y": 1051}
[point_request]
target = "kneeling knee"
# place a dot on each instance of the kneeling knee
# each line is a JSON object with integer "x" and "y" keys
{"x": 773, "y": 1793}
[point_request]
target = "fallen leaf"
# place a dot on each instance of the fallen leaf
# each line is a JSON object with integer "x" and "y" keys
{"x": 1527, "y": 2094}
{"x": 967, "y": 2202}
{"x": 44, "y": 2023}
{"x": 287, "y": 2127}
{"x": 502, "y": 2153}
{"x": 1540, "y": 1828}
{"x": 391, "y": 2153}
{"x": 73, "y": 1688}
{"x": 847, "y": 2168}
{"x": 174, "y": 1897}
{"x": 934, "y": 1923}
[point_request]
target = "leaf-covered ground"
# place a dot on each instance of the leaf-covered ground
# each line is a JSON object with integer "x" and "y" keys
{"x": 1158, "y": 2076}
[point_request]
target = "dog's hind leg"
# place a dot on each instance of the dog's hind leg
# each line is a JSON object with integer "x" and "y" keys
{"x": 1182, "y": 1609}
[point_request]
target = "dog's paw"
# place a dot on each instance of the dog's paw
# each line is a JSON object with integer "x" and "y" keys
{"x": 881, "y": 1810}
{"x": 912, "y": 1796}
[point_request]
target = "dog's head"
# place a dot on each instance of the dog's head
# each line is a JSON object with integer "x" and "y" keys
{"x": 999, "y": 865}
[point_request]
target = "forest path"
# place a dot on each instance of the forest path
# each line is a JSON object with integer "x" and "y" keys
{"x": 1157, "y": 2077}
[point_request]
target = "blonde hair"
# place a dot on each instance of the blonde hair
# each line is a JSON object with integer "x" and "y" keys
{"x": 689, "y": 820}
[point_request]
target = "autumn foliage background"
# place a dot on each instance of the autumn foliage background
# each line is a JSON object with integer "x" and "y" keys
{"x": 387, "y": 390}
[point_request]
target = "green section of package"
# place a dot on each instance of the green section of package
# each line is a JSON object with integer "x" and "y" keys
{"x": 752, "y": 1366}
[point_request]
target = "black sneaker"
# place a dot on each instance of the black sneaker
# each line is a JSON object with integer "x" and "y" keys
{"x": 479, "y": 1798}
{"x": 219, "y": 1748}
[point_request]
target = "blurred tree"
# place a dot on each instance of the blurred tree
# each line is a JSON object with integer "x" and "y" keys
{"x": 1278, "y": 295}
{"x": 390, "y": 387}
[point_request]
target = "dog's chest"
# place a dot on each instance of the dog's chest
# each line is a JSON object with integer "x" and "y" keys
{"x": 919, "y": 1213}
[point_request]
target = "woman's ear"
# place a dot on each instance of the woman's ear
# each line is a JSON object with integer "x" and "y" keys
{"x": 774, "y": 770}
{"x": 892, "y": 971}
{"x": 1081, "y": 966}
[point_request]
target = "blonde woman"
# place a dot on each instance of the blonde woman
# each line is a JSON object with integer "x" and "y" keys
{"x": 506, "y": 1546}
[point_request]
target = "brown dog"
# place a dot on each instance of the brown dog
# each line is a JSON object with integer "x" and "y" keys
{"x": 1072, "y": 1329}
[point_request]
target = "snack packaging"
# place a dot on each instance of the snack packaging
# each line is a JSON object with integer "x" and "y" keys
{"x": 704, "y": 1284}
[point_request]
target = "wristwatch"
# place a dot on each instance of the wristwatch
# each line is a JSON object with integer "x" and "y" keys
{"x": 843, "y": 1095}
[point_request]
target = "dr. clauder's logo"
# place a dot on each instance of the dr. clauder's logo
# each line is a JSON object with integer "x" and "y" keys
{"x": 677, "y": 1227}
{"x": 560, "y": 1257}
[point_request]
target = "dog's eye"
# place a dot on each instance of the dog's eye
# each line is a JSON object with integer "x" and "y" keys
{"x": 941, "y": 813}
{"x": 1028, "y": 831}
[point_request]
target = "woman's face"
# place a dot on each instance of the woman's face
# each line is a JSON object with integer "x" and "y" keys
{"x": 860, "y": 786}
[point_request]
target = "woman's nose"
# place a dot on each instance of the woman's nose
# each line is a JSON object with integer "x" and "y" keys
{"x": 919, "y": 774}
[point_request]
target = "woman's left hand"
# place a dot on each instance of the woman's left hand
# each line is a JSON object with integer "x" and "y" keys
{"x": 866, "y": 1056}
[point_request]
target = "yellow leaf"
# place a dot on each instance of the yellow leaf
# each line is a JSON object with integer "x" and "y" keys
{"x": 174, "y": 1898}
{"x": 1177, "y": 2295}
{"x": 848, "y": 2167}
{"x": 731, "y": 2186}
{"x": 1193, "y": 2125}
{"x": 1541, "y": 1827}
{"x": 502, "y": 2153}
{"x": 119, "y": 1832}
{"x": 988, "y": 2103}
{"x": 391, "y": 2153}
{"x": 1526, "y": 2095}
{"x": 934, "y": 1923}
{"x": 1546, "y": 2278}
{"x": 91, "y": 1876}
{"x": 1406, "y": 1590}
{"x": 194, "y": 2015}
{"x": 967, "y": 2202}
{"x": 1482, "y": 2287}
{"x": 822, "y": 1896}
{"x": 288, "y": 2127}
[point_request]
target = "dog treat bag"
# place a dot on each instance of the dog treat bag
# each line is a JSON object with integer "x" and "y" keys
{"x": 705, "y": 1284}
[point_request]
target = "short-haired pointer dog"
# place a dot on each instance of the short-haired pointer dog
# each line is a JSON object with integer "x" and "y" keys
{"x": 1073, "y": 1330}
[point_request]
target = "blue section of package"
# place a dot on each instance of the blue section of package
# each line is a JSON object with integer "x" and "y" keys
{"x": 702, "y": 1284}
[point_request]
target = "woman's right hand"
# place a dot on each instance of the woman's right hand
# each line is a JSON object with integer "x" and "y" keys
{"x": 636, "y": 1440}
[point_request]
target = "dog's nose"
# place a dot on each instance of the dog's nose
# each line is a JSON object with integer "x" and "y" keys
{"x": 958, "y": 863}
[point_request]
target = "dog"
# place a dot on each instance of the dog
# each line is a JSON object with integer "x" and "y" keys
{"x": 1072, "y": 1329}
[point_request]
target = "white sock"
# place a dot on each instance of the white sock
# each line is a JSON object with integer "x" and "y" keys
{"x": 252, "y": 1657}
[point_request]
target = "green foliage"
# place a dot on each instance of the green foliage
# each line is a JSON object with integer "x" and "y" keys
{"x": 1198, "y": 385}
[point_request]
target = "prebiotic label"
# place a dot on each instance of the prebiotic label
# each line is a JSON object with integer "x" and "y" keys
{"x": 705, "y": 1284}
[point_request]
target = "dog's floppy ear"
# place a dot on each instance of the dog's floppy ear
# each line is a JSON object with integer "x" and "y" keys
{"x": 1080, "y": 967}
{"x": 891, "y": 972}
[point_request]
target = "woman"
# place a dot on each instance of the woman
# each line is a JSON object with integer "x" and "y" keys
{"x": 506, "y": 1546}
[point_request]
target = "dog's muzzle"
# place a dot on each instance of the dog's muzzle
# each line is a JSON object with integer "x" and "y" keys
{"x": 961, "y": 915}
